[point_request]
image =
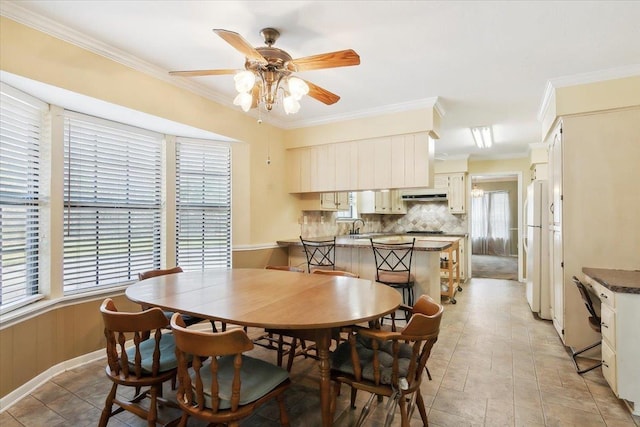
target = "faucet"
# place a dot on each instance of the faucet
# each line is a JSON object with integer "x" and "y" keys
{"x": 355, "y": 230}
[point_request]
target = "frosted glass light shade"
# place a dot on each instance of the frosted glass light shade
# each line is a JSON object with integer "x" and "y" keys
{"x": 290, "y": 104}
{"x": 244, "y": 100}
{"x": 297, "y": 88}
{"x": 244, "y": 81}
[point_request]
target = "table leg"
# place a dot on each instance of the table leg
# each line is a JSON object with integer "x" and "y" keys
{"x": 323, "y": 341}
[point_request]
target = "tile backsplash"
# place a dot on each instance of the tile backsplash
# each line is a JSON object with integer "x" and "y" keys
{"x": 422, "y": 216}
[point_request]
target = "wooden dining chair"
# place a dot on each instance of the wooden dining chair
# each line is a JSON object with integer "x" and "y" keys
{"x": 145, "y": 366}
{"x": 321, "y": 254}
{"x": 188, "y": 320}
{"x": 388, "y": 363}
{"x": 229, "y": 385}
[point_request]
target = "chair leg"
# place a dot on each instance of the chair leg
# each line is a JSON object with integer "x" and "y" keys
{"x": 365, "y": 411}
{"x": 404, "y": 413}
{"x": 106, "y": 412}
{"x": 354, "y": 392}
{"x": 292, "y": 353}
{"x": 152, "y": 415}
{"x": 575, "y": 354}
{"x": 284, "y": 417}
{"x": 421, "y": 408}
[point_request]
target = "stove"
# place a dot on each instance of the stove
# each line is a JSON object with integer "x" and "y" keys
{"x": 424, "y": 232}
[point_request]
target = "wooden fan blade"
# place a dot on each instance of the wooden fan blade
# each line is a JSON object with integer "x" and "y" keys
{"x": 321, "y": 94}
{"x": 240, "y": 44}
{"x": 196, "y": 73}
{"x": 342, "y": 58}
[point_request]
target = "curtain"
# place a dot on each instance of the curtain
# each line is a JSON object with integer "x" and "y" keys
{"x": 490, "y": 224}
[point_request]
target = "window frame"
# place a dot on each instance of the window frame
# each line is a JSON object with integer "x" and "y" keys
{"x": 23, "y": 123}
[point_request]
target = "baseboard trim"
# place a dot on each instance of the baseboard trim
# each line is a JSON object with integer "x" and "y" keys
{"x": 37, "y": 381}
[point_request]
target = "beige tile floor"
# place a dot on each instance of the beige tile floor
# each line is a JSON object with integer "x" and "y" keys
{"x": 494, "y": 365}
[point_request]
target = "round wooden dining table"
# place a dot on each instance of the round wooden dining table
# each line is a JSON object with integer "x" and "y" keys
{"x": 273, "y": 299}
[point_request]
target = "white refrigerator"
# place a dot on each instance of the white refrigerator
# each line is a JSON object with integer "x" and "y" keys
{"x": 536, "y": 246}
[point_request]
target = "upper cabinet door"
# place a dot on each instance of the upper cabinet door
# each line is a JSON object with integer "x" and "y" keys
{"x": 325, "y": 168}
{"x": 346, "y": 155}
{"x": 366, "y": 167}
{"x": 555, "y": 160}
{"x": 457, "y": 193}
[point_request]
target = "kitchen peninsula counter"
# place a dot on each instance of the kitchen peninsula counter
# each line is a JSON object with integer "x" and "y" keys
{"x": 354, "y": 254}
{"x": 422, "y": 244}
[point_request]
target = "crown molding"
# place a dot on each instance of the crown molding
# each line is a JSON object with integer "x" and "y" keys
{"x": 48, "y": 26}
{"x": 584, "y": 78}
{"x": 432, "y": 102}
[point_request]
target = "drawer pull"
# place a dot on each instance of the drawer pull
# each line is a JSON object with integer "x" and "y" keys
{"x": 605, "y": 364}
{"x": 604, "y": 325}
{"x": 603, "y": 295}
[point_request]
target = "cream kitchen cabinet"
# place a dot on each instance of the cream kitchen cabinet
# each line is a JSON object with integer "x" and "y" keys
{"x": 334, "y": 201}
{"x": 393, "y": 162}
{"x": 592, "y": 159}
{"x": 455, "y": 184}
{"x": 381, "y": 202}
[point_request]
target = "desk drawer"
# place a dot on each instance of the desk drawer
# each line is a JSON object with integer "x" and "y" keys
{"x": 608, "y": 325}
{"x": 609, "y": 367}
{"x": 606, "y": 296}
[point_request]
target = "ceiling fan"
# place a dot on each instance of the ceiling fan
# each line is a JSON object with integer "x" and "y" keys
{"x": 268, "y": 69}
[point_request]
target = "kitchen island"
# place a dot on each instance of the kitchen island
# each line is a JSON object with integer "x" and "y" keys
{"x": 354, "y": 254}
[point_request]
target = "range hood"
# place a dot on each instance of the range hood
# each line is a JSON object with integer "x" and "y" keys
{"x": 425, "y": 195}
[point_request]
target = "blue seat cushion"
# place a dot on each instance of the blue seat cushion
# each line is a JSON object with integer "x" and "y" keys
{"x": 167, "y": 354}
{"x": 341, "y": 359}
{"x": 257, "y": 378}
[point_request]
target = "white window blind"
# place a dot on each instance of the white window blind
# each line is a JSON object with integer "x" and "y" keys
{"x": 203, "y": 204}
{"x": 112, "y": 190}
{"x": 21, "y": 119}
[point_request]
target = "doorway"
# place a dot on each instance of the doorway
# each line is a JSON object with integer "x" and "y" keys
{"x": 494, "y": 225}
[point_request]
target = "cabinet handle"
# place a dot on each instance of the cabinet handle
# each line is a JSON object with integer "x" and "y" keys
{"x": 551, "y": 207}
{"x": 603, "y": 296}
{"x": 605, "y": 364}
{"x": 604, "y": 325}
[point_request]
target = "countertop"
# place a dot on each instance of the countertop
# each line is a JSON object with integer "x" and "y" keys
{"x": 429, "y": 243}
{"x": 623, "y": 281}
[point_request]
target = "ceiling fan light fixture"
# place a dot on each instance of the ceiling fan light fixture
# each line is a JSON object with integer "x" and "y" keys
{"x": 482, "y": 136}
{"x": 244, "y": 100}
{"x": 244, "y": 81}
{"x": 290, "y": 104}
{"x": 297, "y": 87}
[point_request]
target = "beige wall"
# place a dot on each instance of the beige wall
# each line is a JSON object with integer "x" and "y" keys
{"x": 261, "y": 258}
{"x": 590, "y": 97}
{"x": 32, "y": 346}
{"x": 421, "y": 120}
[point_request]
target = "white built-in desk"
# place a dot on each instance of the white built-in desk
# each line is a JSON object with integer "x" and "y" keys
{"x": 619, "y": 292}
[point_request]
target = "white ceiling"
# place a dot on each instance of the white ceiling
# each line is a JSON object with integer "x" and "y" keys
{"x": 488, "y": 63}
